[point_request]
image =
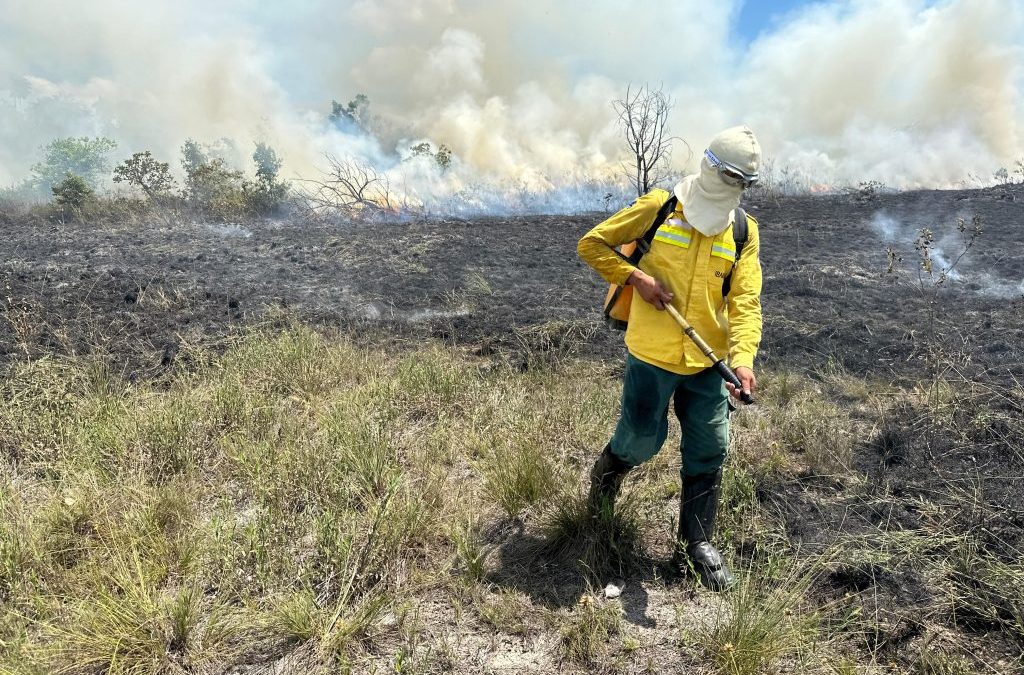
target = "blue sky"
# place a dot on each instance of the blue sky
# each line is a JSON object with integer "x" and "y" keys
{"x": 758, "y": 15}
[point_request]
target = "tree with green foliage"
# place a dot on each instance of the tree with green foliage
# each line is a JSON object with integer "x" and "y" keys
{"x": 267, "y": 162}
{"x": 421, "y": 150}
{"x": 192, "y": 156}
{"x": 355, "y": 114}
{"x": 86, "y": 158}
{"x": 141, "y": 170}
{"x": 443, "y": 157}
{"x": 266, "y": 193}
{"x": 72, "y": 193}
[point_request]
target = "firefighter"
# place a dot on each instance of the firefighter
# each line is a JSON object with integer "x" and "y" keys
{"x": 692, "y": 254}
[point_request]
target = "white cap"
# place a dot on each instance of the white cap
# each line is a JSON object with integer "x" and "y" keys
{"x": 739, "y": 147}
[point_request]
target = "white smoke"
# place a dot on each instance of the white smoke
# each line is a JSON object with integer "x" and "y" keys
{"x": 905, "y": 238}
{"x": 887, "y": 227}
{"x": 907, "y": 92}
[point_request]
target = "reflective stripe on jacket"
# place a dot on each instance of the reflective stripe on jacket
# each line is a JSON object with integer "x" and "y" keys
{"x": 692, "y": 267}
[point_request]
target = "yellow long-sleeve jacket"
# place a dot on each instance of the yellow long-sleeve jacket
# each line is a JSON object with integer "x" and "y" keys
{"x": 692, "y": 267}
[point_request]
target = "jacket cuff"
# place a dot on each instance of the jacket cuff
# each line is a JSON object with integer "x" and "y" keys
{"x": 742, "y": 360}
{"x": 622, "y": 275}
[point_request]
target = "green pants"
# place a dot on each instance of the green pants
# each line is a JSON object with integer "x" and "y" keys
{"x": 701, "y": 403}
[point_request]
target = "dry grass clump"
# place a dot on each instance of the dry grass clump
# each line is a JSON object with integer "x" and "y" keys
{"x": 803, "y": 427}
{"x": 986, "y": 592}
{"x": 603, "y": 544}
{"x": 586, "y": 636}
{"x": 764, "y": 619}
{"x": 505, "y": 611}
{"x": 519, "y": 475}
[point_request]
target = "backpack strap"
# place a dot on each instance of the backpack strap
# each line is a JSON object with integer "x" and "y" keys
{"x": 739, "y": 235}
{"x": 643, "y": 244}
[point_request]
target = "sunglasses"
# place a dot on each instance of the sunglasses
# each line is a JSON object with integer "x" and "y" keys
{"x": 729, "y": 173}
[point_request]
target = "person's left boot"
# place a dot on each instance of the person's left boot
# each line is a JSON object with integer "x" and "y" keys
{"x": 698, "y": 510}
{"x": 605, "y": 480}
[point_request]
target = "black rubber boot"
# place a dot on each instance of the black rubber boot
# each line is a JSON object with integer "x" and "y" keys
{"x": 606, "y": 479}
{"x": 698, "y": 509}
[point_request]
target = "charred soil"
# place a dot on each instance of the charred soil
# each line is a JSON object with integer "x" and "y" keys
{"x": 497, "y": 283}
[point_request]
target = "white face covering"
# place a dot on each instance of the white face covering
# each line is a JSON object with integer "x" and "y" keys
{"x": 707, "y": 200}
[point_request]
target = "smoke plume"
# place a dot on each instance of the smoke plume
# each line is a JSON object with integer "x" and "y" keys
{"x": 907, "y": 92}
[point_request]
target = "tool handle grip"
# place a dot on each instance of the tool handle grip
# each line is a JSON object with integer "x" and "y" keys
{"x": 729, "y": 376}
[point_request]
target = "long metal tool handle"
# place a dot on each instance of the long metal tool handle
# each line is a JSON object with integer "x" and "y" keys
{"x": 721, "y": 366}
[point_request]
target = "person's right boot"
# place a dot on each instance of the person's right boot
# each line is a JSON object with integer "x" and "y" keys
{"x": 698, "y": 511}
{"x": 606, "y": 479}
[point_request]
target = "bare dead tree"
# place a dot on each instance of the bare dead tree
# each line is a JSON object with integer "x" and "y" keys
{"x": 348, "y": 187}
{"x": 643, "y": 115}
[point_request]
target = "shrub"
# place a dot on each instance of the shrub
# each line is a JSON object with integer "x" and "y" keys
{"x": 72, "y": 193}
{"x": 218, "y": 191}
{"x": 210, "y": 185}
{"x": 866, "y": 191}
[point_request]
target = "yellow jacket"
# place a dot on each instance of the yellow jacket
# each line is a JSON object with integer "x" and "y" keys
{"x": 692, "y": 267}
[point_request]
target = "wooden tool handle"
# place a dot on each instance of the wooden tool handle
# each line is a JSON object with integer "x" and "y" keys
{"x": 721, "y": 366}
{"x": 688, "y": 329}
{"x": 677, "y": 316}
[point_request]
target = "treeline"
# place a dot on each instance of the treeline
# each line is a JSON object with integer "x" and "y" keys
{"x": 73, "y": 178}
{"x": 74, "y": 171}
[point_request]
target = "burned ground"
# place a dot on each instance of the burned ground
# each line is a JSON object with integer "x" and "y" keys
{"x": 500, "y": 283}
{"x": 512, "y": 291}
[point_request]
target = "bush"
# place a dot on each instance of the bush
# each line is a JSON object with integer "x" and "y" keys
{"x": 72, "y": 193}
{"x": 218, "y": 191}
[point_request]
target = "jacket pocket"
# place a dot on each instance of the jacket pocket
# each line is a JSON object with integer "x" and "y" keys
{"x": 723, "y": 257}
